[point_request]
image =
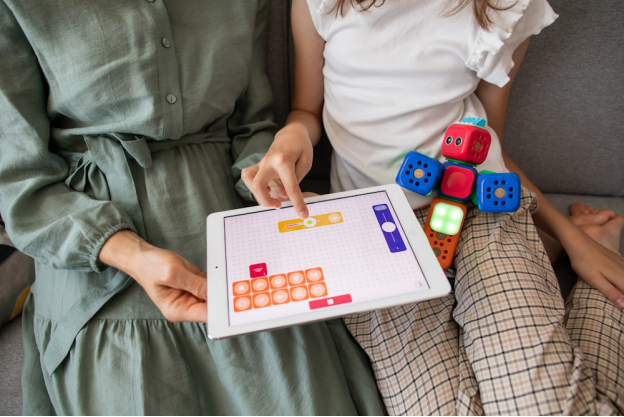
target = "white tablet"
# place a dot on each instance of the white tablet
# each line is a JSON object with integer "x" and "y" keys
{"x": 358, "y": 251}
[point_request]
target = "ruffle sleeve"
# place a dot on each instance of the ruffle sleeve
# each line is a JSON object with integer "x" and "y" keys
{"x": 322, "y": 16}
{"x": 491, "y": 55}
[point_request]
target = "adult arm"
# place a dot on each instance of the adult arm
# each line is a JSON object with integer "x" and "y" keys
{"x": 45, "y": 218}
{"x": 175, "y": 285}
{"x": 53, "y": 223}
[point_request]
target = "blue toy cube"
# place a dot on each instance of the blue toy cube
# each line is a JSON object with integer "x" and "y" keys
{"x": 498, "y": 193}
{"x": 419, "y": 173}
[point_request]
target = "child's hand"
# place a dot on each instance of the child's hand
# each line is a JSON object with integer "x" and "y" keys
{"x": 286, "y": 163}
{"x": 599, "y": 266}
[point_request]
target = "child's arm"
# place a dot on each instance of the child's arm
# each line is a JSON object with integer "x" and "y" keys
{"x": 598, "y": 266}
{"x": 289, "y": 158}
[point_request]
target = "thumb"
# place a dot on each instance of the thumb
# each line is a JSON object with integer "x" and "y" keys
{"x": 193, "y": 283}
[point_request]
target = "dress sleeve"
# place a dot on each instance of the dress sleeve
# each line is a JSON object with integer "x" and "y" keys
{"x": 44, "y": 217}
{"x": 491, "y": 55}
{"x": 251, "y": 126}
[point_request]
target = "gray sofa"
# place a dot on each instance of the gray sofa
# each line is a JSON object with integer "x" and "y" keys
{"x": 568, "y": 100}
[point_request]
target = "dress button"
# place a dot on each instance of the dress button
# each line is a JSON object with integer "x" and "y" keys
{"x": 171, "y": 98}
{"x": 165, "y": 42}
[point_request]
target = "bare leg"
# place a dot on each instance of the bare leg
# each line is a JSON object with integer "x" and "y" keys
{"x": 607, "y": 233}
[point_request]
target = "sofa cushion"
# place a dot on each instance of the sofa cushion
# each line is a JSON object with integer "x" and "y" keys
{"x": 11, "y": 363}
{"x": 565, "y": 121}
{"x": 17, "y": 273}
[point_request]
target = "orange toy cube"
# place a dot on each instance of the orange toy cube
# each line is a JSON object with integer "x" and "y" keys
{"x": 443, "y": 244}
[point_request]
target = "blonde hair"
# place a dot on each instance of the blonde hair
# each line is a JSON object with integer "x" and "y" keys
{"x": 479, "y": 7}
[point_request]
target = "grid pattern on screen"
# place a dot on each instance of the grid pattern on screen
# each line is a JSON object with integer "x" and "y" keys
{"x": 353, "y": 254}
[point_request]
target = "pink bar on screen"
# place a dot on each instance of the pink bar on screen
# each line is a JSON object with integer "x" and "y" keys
{"x": 331, "y": 301}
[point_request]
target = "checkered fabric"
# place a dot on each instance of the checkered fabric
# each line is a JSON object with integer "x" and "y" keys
{"x": 503, "y": 343}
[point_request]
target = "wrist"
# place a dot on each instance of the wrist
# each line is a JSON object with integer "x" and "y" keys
{"x": 294, "y": 129}
{"x": 122, "y": 250}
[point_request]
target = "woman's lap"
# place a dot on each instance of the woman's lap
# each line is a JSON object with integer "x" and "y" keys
{"x": 152, "y": 366}
{"x": 128, "y": 359}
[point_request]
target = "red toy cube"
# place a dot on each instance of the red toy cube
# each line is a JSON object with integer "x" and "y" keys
{"x": 467, "y": 143}
{"x": 457, "y": 181}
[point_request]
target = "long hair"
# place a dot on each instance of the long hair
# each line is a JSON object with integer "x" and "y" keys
{"x": 479, "y": 7}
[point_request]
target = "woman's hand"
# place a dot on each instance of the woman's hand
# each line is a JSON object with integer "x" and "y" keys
{"x": 287, "y": 161}
{"x": 599, "y": 266}
{"x": 177, "y": 287}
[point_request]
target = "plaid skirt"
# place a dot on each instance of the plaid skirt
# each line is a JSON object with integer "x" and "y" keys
{"x": 503, "y": 343}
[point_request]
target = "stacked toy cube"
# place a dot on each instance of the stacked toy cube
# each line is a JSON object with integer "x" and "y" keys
{"x": 466, "y": 145}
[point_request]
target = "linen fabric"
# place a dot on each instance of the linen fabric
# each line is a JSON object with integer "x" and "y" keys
{"x": 140, "y": 115}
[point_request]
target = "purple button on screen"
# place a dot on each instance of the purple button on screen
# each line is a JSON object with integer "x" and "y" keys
{"x": 389, "y": 228}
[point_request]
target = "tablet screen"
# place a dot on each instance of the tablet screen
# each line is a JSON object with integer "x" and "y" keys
{"x": 350, "y": 250}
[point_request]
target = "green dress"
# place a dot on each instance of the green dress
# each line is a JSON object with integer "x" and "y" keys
{"x": 140, "y": 114}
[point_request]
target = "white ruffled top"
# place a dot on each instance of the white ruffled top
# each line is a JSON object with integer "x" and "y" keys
{"x": 397, "y": 75}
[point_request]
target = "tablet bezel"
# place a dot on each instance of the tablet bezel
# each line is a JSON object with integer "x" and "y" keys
{"x": 218, "y": 309}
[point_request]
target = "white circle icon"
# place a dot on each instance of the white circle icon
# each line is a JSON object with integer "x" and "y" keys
{"x": 314, "y": 275}
{"x": 242, "y": 303}
{"x": 259, "y": 285}
{"x": 262, "y": 300}
{"x": 296, "y": 278}
{"x": 317, "y": 290}
{"x": 278, "y": 281}
{"x": 334, "y": 218}
{"x": 388, "y": 227}
{"x": 280, "y": 297}
{"x": 299, "y": 293}
{"x": 310, "y": 222}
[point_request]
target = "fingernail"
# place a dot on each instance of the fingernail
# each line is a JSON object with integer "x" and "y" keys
{"x": 303, "y": 214}
{"x": 620, "y": 302}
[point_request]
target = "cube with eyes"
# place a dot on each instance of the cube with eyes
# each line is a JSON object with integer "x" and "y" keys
{"x": 466, "y": 143}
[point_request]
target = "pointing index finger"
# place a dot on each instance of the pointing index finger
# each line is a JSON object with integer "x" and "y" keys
{"x": 291, "y": 186}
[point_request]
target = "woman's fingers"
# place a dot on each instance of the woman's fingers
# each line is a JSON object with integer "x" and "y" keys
{"x": 185, "y": 308}
{"x": 193, "y": 284}
{"x": 198, "y": 313}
